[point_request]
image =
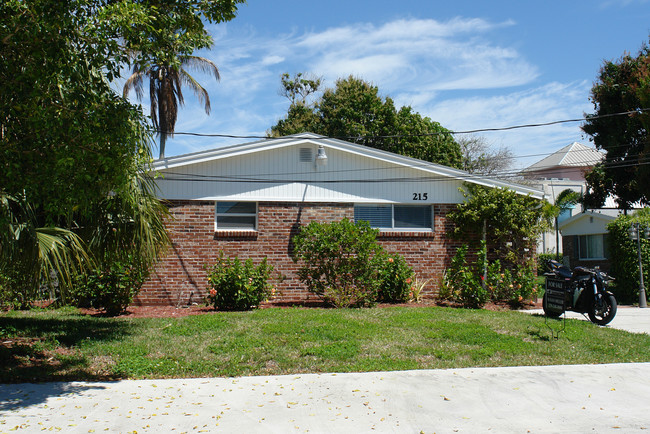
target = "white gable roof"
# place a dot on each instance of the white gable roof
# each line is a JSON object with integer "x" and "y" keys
{"x": 271, "y": 170}
{"x": 586, "y": 223}
{"x": 573, "y": 155}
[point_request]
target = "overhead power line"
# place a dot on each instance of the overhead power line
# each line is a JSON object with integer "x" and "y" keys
{"x": 397, "y": 136}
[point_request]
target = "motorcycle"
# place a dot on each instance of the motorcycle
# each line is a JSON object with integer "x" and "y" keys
{"x": 583, "y": 290}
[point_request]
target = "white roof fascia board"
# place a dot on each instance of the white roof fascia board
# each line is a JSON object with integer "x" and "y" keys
{"x": 365, "y": 151}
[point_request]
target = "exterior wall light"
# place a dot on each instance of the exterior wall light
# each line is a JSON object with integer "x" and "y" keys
{"x": 321, "y": 157}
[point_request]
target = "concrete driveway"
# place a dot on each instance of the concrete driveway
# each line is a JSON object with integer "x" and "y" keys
{"x": 549, "y": 399}
{"x": 631, "y": 319}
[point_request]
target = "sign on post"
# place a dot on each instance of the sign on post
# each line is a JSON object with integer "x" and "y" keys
{"x": 555, "y": 295}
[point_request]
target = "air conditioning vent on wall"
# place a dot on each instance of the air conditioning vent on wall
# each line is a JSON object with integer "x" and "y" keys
{"x": 306, "y": 155}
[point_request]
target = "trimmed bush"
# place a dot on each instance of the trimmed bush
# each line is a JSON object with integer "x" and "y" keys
{"x": 110, "y": 288}
{"x": 339, "y": 262}
{"x": 237, "y": 285}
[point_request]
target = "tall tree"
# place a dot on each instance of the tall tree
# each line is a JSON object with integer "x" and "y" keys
{"x": 622, "y": 86}
{"x": 162, "y": 51}
{"x": 74, "y": 155}
{"x": 479, "y": 158}
{"x": 165, "y": 91}
{"x": 353, "y": 110}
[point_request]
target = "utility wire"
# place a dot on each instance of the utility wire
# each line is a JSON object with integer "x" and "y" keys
{"x": 397, "y": 136}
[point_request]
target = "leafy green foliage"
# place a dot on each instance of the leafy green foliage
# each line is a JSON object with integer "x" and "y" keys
{"x": 340, "y": 261}
{"x": 31, "y": 255}
{"x": 396, "y": 279}
{"x": 463, "y": 282}
{"x": 625, "y": 268}
{"x": 72, "y": 151}
{"x": 355, "y": 111}
{"x": 621, "y": 86}
{"x": 110, "y": 288}
{"x": 512, "y": 221}
{"x": 512, "y": 224}
{"x": 234, "y": 285}
{"x": 474, "y": 283}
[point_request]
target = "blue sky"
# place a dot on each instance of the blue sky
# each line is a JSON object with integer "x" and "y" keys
{"x": 466, "y": 64}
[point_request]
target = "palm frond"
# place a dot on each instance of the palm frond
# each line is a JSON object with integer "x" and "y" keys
{"x": 36, "y": 253}
{"x": 134, "y": 82}
{"x": 199, "y": 91}
{"x": 201, "y": 64}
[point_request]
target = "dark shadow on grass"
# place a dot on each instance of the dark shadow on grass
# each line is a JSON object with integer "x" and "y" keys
{"x": 34, "y": 349}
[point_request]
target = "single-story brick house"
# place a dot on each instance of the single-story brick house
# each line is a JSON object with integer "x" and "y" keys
{"x": 249, "y": 200}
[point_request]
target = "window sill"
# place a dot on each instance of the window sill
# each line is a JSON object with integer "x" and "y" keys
{"x": 236, "y": 235}
{"x": 406, "y": 234}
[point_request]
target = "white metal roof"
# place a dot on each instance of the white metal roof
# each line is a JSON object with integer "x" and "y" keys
{"x": 253, "y": 164}
{"x": 573, "y": 155}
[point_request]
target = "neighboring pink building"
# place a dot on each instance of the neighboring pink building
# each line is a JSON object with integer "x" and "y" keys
{"x": 569, "y": 163}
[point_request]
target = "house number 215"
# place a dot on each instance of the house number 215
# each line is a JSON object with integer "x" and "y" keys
{"x": 420, "y": 196}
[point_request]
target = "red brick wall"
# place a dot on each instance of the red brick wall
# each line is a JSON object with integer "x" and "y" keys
{"x": 179, "y": 278}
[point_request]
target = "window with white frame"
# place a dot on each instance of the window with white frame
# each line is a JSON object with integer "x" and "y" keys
{"x": 237, "y": 216}
{"x": 592, "y": 246}
{"x": 396, "y": 217}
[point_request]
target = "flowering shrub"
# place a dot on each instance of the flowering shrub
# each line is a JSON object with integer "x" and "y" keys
{"x": 234, "y": 285}
{"x": 463, "y": 283}
{"x": 396, "y": 279}
{"x": 474, "y": 285}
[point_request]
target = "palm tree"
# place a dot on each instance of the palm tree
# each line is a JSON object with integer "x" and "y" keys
{"x": 563, "y": 202}
{"x": 165, "y": 93}
{"x": 31, "y": 253}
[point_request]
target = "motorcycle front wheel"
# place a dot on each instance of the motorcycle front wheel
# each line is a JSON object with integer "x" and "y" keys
{"x": 603, "y": 309}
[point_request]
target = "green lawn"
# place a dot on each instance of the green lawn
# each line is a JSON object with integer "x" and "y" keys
{"x": 63, "y": 344}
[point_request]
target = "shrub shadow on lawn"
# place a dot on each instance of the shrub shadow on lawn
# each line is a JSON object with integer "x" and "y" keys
{"x": 36, "y": 349}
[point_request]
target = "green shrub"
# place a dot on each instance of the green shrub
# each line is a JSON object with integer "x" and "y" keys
{"x": 396, "y": 279}
{"x": 463, "y": 282}
{"x": 111, "y": 288}
{"x": 234, "y": 285}
{"x": 339, "y": 262}
{"x": 625, "y": 266}
{"x": 473, "y": 285}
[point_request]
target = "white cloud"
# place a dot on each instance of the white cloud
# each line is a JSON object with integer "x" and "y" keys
{"x": 549, "y": 103}
{"x": 622, "y": 3}
{"x": 428, "y": 64}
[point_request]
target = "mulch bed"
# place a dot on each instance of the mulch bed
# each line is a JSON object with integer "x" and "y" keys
{"x": 183, "y": 311}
